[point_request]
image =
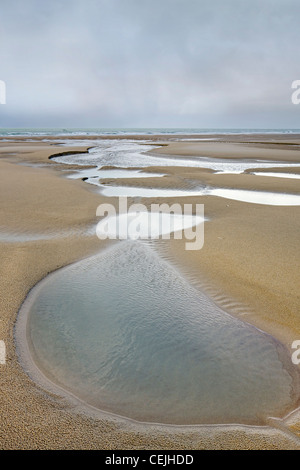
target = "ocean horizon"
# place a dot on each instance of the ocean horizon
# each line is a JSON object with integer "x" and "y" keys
{"x": 101, "y": 131}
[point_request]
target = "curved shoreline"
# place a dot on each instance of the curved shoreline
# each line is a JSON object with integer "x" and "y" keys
{"x": 40, "y": 377}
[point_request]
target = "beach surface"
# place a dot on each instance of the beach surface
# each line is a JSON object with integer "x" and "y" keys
{"x": 249, "y": 265}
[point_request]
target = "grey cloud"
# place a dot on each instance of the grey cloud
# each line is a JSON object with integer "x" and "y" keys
{"x": 149, "y": 63}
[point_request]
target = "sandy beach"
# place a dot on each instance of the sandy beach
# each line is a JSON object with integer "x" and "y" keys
{"x": 249, "y": 266}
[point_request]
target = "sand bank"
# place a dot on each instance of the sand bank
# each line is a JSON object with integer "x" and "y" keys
{"x": 258, "y": 268}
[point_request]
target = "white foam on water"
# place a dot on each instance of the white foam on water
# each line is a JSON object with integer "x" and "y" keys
{"x": 130, "y": 154}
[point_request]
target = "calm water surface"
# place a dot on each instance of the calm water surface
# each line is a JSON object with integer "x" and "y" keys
{"x": 125, "y": 332}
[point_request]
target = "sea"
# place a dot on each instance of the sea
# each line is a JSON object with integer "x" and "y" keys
{"x": 135, "y": 131}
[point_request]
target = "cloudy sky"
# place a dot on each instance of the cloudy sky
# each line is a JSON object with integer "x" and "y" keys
{"x": 149, "y": 63}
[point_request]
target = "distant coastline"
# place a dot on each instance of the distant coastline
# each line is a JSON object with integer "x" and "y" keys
{"x": 65, "y": 131}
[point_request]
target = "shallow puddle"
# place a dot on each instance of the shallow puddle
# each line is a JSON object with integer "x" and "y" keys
{"x": 253, "y": 197}
{"x": 125, "y": 332}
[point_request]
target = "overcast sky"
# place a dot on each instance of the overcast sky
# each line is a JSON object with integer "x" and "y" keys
{"x": 149, "y": 63}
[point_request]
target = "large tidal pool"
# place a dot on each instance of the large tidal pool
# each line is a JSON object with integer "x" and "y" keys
{"x": 126, "y": 333}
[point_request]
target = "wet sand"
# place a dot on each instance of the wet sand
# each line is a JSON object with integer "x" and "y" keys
{"x": 250, "y": 254}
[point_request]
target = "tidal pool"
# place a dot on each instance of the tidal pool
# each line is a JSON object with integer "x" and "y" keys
{"x": 294, "y": 176}
{"x": 126, "y": 333}
{"x": 130, "y": 154}
{"x": 243, "y": 195}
